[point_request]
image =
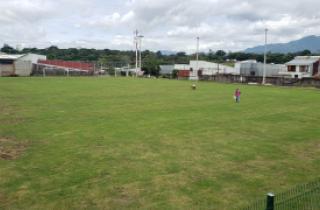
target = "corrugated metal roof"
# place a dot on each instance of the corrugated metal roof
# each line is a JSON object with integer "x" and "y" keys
{"x": 307, "y": 57}
{"x": 303, "y": 60}
{"x": 9, "y": 57}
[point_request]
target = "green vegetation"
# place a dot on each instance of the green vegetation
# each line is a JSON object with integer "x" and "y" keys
{"x": 104, "y": 143}
{"x": 111, "y": 59}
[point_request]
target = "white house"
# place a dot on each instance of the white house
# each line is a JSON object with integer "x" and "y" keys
{"x": 302, "y": 66}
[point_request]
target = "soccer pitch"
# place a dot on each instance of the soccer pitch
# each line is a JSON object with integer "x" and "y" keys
{"x": 105, "y": 143}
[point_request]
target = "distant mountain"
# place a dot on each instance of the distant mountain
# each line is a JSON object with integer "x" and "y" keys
{"x": 311, "y": 43}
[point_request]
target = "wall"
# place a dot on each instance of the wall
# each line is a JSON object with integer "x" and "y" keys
{"x": 166, "y": 69}
{"x": 209, "y": 68}
{"x": 271, "y": 69}
{"x": 23, "y": 68}
{"x": 183, "y": 74}
{"x": 181, "y": 67}
{"x": 6, "y": 69}
{"x": 280, "y": 81}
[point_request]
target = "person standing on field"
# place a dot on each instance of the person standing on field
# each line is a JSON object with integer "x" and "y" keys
{"x": 237, "y": 94}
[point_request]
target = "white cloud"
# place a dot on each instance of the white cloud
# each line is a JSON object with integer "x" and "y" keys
{"x": 166, "y": 24}
{"x": 203, "y": 30}
{"x": 113, "y": 20}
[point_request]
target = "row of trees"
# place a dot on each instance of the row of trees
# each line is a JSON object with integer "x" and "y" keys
{"x": 151, "y": 60}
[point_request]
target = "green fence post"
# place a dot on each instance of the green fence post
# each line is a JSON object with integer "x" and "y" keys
{"x": 270, "y": 201}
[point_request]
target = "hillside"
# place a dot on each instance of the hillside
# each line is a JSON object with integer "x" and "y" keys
{"x": 311, "y": 43}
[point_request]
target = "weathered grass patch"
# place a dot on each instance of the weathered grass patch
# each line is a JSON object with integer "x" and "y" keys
{"x": 11, "y": 149}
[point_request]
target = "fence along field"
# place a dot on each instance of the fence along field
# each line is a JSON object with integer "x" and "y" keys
{"x": 92, "y": 143}
{"x": 301, "y": 197}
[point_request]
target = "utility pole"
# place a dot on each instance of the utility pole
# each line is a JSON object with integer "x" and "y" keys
{"x": 265, "y": 56}
{"x": 136, "y": 46}
{"x": 140, "y": 51}
{"x": 128, "y": 67}
{"x": 195, "y": 72}
{"x": 197, "y": 54}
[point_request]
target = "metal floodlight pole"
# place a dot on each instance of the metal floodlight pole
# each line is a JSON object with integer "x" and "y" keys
{"x": 265, "y": 56}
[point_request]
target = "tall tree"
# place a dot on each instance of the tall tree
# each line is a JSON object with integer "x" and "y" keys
{"x": 8, "y": 49}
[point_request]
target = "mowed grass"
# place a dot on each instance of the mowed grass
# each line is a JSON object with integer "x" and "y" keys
{"x": 104, "y": 143}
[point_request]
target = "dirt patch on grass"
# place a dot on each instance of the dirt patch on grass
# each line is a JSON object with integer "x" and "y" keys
{"x": 306, "y": 151}
{"x": 11, "y": 149}
{"x": 127, "y": 194}
{"x": 3, "y": 200}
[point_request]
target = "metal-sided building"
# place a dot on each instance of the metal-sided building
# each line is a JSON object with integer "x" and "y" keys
{"x": 18, "y": 65}
{"x": 210, "y": 68}
{"x": 166, "y": 69}
{"x": 254, "y": 69}
{"x": 195, "y": 69}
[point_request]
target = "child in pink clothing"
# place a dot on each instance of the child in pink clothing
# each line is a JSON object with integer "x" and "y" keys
{"x": 237, "y": 94}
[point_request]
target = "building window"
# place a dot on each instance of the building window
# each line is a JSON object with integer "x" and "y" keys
{"x": 304, "y": 69}
{"x": 291, "y": 68}
{"x": 6, "y": 61}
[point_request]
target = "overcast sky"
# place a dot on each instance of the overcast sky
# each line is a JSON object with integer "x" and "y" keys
{"x": 166, "y": 24}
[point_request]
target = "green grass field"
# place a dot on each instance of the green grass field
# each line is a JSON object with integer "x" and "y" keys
{"x": 104, "y": 143}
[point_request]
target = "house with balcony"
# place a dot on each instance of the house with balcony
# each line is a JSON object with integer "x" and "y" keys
{"x": 302, "y": 67}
